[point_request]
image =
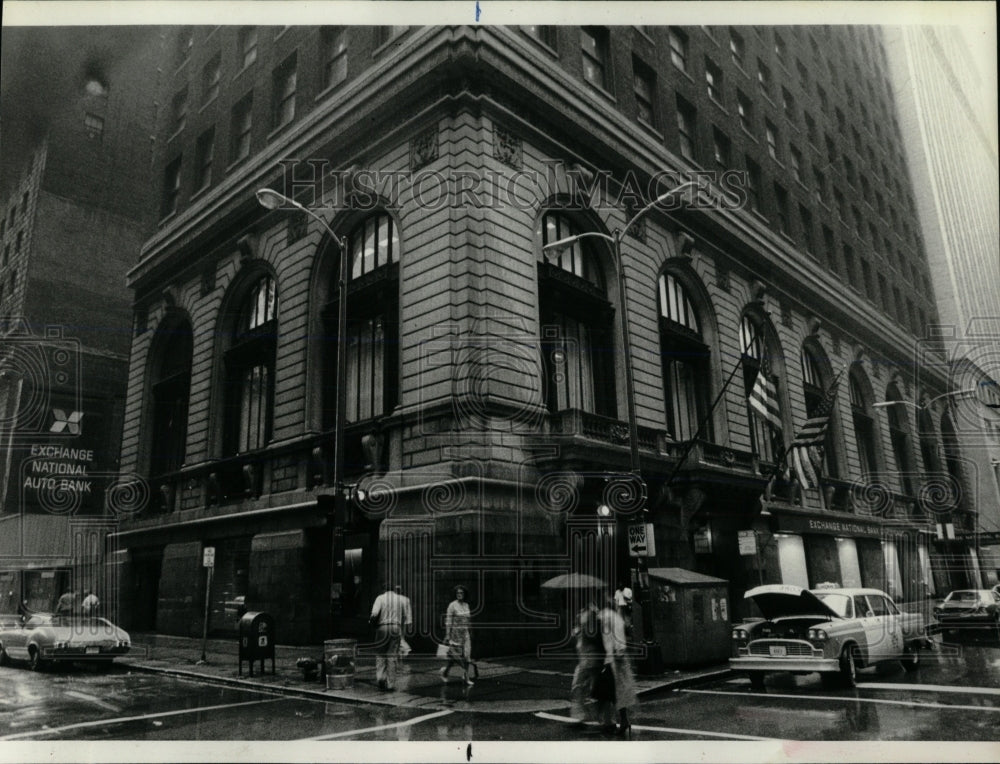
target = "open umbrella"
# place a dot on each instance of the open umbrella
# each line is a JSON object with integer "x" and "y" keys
{"x": 574, "y": 581}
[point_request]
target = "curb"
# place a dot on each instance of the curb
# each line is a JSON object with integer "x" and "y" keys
{"x": 673, "y": 684}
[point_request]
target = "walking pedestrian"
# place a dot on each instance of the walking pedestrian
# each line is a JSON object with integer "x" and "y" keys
{"x": 66, "y": 605}
{"x": 612, "y": 628}
{"x": 590, "y": 652}
{"x": 457, "y": 619}
{"x": 391, "y": 612}
{"x": 90, "y": 604}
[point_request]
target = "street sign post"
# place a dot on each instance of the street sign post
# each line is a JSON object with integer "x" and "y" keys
{"x": 640, "y": 540}
{"x": 208, "y": 562}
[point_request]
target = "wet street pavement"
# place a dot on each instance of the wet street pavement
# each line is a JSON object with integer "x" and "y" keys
{"x": 953, "y": 695}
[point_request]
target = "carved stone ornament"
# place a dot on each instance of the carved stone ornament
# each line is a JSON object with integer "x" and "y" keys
{"x": 507, "y": 148}
{"x": 685, "y": 244}
{"x": 208, "y": 280}
{"x": 424, "y": 149}
{"x": 786, "y": 315}
{"x": 722, "y": 278}
{"x": 298, "y": 226}
{"x": 619, "y": 433}
{"x": 247, "y": 247}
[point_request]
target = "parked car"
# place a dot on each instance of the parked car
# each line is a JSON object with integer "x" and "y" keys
{"x": 833, "y": 631}
{"x": 43, "y": 638}
{"x": 969, "y": 607}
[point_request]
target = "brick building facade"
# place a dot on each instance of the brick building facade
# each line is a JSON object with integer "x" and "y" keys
{"x": 486, "y": 385}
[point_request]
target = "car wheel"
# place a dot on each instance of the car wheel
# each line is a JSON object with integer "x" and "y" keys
{"x": 35, "y": 662}
{"x": 829, "y": 680}
{"x": 756, "y": 680}
{"x": 849, "y": 667}
{"x": 911, "y": 658}
{"x": 4, "y": 658}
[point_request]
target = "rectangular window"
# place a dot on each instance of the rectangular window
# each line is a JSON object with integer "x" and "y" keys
{"x": 720, "y": 145}
{"x": 823, "y": 102}
{"x": 803, "y": 74}
{"x": 849, "y": 170}
{"x": 753, "y": 185}
{"x": 284, "y": 82}
{"x": 841, "y": 121}
{"x": 248, "y": 45}
{"x": 240, "y": 128}
{"x": 771, "y": 136}
{"x": 334, "y": 56}
{"x": 807, "y": 230}
{"x": 781, "y": 199}
{"x": 745, "y": 110}
{"x": 788, "y": 104}
{"x": 713, "y": 78}
{"x": 866, "y": 279}
{"x": 685, "y": 128}
{"x": 644, "y": 85}
{"x": 171, "y": 188}
{"x": 204, "y": 153}
{"x": 763, "y": 78}
{"x": 594, "y": 48}
{"x": 185, "y": 41}
{"x": 737, "y": 47}
{"x": 795, "y": 159}
{"x": 780, "y": 49}
{"x": 849, "y": 266}
{"x": 210, "y": 77}
{"x": 179, "y": 109}
{"x": 94, "y": 125}
{"x": 830, "y": 249}
{"x": 545, "y": 34}
{"x": 17, "y": 242}
{"x": 819, "y": 182}
{"x": 811, "y": 132}
{"x": 385, "y": 33}
{"x": 678, "y": 48}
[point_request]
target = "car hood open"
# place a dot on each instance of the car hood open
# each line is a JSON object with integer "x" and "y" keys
{"x": 778, "y": 600}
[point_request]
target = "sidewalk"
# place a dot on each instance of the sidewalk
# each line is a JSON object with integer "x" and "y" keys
{"x": 514, "y": 684}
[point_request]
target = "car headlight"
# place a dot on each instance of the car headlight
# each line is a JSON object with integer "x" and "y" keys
{"x": 741, "y": 634}
{"x": 817, "y": 635}
{"x": 61, "y": 645}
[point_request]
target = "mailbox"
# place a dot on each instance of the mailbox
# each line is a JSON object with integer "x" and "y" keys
{"x": 256, "y": 640}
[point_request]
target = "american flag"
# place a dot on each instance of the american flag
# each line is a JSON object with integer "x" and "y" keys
{"x": 806, "y": 451}
{"x": 764, "y": 396}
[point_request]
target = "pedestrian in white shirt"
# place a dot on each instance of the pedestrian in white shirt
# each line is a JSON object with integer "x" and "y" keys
{"x": 90, "y": 604}
{"x": 391, "y": 612}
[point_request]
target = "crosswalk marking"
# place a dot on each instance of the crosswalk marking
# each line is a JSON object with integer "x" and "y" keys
{"x": 365, "y": 730}
{"x": 883, "y": 701}
{"x": 673, "y": 730}
{"x": 124, "y": 719}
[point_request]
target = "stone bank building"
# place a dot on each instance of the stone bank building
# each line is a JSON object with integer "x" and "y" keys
{"x": 486, "y": 393}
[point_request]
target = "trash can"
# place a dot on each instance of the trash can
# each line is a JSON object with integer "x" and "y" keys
{"x": 339, "y": 655}
{"x": 690, "y": 616}
{"x": 256, "y": 640}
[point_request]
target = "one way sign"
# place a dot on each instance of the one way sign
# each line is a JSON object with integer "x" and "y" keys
{"x": 640, "y": 540}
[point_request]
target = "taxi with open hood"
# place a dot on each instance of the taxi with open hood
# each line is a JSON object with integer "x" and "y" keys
{"x": 832, "y": 630}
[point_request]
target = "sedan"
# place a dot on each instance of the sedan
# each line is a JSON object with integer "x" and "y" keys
{"x": 969, "y": 607}
{"x": 42, "y": 639}
{"x": 831, "y": 630}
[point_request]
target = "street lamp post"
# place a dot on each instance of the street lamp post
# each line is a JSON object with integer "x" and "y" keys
{"x": 273, "y": 200}
{"x": 919, "y": 407}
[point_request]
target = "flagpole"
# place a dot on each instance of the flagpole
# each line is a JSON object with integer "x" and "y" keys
{"x": 708, "y": 416}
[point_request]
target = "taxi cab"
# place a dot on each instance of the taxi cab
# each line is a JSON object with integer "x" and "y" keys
{"x": 833, "y": 631}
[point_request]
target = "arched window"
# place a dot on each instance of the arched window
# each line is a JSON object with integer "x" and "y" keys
{"x": 250, "y": 369}
{"x": 685, "y": 360}
{"x": 576, "y": 321}
{"x": 765, "y": 395}
{"x": 170, "y": 386}
{"x": 928, "y": 441}
{"x": 372, "y": 323}
{"x": 899, "y": 433}
{"x": 815, "y": 385}
{"x": 864, "y": 422}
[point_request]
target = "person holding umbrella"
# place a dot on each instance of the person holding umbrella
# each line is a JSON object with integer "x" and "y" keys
{"x": 615, "y": 659}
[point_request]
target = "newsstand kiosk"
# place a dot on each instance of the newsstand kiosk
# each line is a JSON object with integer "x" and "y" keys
{"x": 690, "y": 616}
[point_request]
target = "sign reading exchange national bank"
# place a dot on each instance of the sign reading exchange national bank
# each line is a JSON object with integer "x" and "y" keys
{"x": 788, "y": 523}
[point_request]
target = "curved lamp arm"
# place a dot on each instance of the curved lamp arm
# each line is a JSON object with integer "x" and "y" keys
{"x": 272, "y": 200}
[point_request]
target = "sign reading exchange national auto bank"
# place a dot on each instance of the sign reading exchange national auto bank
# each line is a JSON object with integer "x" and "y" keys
{"x": 831, "y": 526}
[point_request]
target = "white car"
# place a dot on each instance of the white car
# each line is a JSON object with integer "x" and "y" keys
{"x": 44, "y": 638}
{"x": 833, "y": 631}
